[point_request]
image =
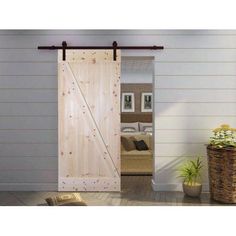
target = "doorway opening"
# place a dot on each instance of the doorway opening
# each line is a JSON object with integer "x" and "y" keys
{"x": 137, "y": 120}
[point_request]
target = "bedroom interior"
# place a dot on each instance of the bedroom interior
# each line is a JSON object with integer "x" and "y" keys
{"x": 136, "y": 116}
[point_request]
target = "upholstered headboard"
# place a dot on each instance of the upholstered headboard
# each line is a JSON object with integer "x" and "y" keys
{"x": 128, "y": 118}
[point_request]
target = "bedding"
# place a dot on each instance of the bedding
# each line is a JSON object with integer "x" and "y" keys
{"x": 147, "y": 129}
{"x": 132, "y": 133}
{"x": 135, "y": 161}
{"x": 134, "y": 126}
{"x": 140, "y": 145}
{"x": 128, "y": 143}
{"x": 129, "y": 130}
{"x": 145, "y": 126}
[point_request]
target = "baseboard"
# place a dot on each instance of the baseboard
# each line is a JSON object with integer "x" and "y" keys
{"x": 174, "y": 187}
{"x": 28, "y": 186}
{"x": 136, "y": 174}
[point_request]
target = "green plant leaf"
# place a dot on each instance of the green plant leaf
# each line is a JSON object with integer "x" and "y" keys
{"x": 190, "y": 171}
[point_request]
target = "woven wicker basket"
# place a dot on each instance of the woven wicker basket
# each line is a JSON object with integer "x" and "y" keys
{"x": 222, "y": 174}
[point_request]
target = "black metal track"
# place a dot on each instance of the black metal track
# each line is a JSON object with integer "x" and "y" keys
{"x": 114, "y": 47}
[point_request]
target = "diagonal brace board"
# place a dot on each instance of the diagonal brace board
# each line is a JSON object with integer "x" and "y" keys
{"x": 91, "y": 121}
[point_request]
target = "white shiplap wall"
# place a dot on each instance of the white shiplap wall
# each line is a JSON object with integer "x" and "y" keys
{"x": 195, "y": 83}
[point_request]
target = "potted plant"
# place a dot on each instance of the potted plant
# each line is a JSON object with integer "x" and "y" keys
{"x": 221, "y": 152}
{"x": 190, "y": 171}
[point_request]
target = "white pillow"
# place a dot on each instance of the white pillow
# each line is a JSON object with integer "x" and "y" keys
{"x": 147, "y": 129}
{"x": 128, "y": 129}
{"x": 133, "y": 125}
{"x": 143, "y": 126}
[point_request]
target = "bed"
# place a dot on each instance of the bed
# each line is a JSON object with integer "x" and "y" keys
{"x": 134, "y": 161}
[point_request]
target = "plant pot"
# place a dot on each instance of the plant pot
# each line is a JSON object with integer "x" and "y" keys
{"x": 192, "y": 190}
{"x": 222, "y": 173}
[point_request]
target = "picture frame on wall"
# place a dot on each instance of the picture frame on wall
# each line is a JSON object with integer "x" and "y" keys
{"x": 127, "y": 102}
{"x": 146, "y": 102}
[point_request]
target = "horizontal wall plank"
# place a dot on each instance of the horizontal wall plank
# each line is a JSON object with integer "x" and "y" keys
{"x": 195, "y": 68}
{"x": 33, "y": 41}
{"x": 14, "y": 68}
{"x": 28, "y": 163}
{"x": 182, "y": 123}
{"x": 29, "y": 186}
{"x": 175, "y": 162}
{"x": 28, "y": 95}
{"x": 199, "y": 95}
{"x": 28, "y": 176}
{"x": 24, "y": 123}
{"x": 182, "y": 136}
{"x": 28, "y": 136}
{"x": 178, "y": 41}
{"x": 27, "y": 55}
{"x": 186, "y": 54}
{"x": 138, "y": 53}
{"x": 28, "y": 150}
{"x": 28, "y": 82}
{"x": 197, "y": 55}
{"x": 179, "y": 149}
{"x": 28, "y": 109}
{"x": 188, "y": 82}
{"x": 195, "y": 109}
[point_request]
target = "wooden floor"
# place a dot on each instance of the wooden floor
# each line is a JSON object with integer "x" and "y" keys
{"x": 136, "y": 191}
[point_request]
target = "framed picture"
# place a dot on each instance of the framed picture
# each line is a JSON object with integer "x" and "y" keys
{"x": 146, "y": 102}
{"x": 127, "y": 102}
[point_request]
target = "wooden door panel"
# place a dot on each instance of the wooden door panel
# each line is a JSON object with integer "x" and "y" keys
{"x": 89, "y": 122}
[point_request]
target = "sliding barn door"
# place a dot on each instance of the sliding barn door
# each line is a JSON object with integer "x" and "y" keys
{"x": 89, "y": 121}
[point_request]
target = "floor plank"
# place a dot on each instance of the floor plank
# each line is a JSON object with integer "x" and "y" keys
{"x": 135, "y": 191}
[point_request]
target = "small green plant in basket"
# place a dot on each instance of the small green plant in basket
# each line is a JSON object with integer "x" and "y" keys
{"x": 223, "y": 137}
{"x": 190, "y": 171}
